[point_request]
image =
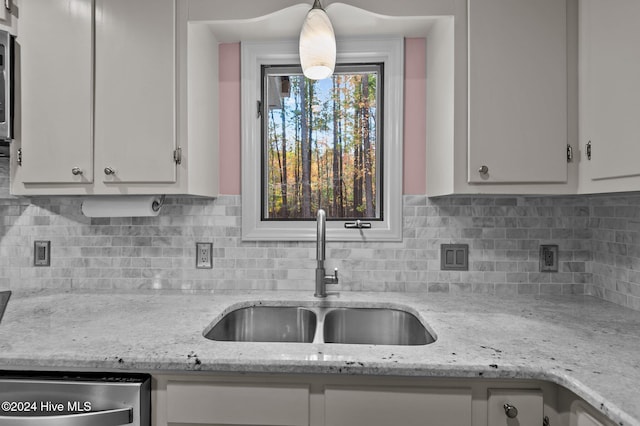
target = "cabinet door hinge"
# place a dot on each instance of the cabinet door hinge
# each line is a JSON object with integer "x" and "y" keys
{"x": 259, "y": 111}
{"x": 589, "y": 150}
{"x": 569, "y": 153}
{"x": 177, "y": 155}
{"x": 19, "y": 157}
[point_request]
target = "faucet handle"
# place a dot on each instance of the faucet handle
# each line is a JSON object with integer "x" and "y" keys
{"x": 332, "y": 279}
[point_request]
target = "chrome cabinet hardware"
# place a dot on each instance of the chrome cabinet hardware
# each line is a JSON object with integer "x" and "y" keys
{"x": 177, "y": 155}
{"x": 358, "y": 224}
{"x": 589, "y": 150}
{"x": 76, "y": 171}
{"x": 569, "y": 153}
{"x": 109, "y": 171}
{"x": 483, "y": 170}
{"x": 510, "y": 411}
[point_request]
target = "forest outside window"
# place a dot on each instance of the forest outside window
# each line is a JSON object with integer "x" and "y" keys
{"x": 334, "y": 144}
{"x": 320, "y": 141}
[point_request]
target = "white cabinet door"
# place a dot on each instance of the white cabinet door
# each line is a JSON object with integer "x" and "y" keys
{"x": 517, "y": 91}
{"x": 610, "y": 88}
{"x": 384, "y": 406}
{"x": 237, "y": 403}
{"x": 135, "y": 118}
{"x": 54, "y": 93}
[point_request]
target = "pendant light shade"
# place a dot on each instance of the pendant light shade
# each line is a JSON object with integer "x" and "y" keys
{"x": 317, "y": 44}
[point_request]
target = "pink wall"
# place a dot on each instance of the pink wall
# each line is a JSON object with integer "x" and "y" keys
{"x": 229, "y": 110}
{"x": 414, "y": 117}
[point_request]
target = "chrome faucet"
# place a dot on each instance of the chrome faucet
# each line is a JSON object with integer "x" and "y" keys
{"x": 321, "y": 279}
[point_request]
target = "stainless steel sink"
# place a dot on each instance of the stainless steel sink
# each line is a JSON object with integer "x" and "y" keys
{"x": 266, "y": 324}
{"x": 374, "y": 326}
{"x": 321, "y": 324}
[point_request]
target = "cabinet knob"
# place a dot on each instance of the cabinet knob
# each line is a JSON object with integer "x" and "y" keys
{"x": 483, "y": 170}
{"x": 510, "y": 411}
{"x": 76, "y": 171}
{"x": 109, "y": 171}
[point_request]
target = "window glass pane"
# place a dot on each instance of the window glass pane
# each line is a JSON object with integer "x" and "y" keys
{"x": 322, "y": 143}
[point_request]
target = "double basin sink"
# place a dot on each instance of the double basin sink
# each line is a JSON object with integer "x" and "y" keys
{"x": 313, "y": 324}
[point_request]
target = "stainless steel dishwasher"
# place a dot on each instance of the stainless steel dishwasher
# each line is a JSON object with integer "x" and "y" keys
{"x": 74, "y": 399}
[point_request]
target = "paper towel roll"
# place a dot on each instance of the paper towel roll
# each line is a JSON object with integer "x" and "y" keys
{"x": 122, "y": 205}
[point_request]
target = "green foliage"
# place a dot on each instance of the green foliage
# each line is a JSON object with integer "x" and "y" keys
{"x": 334, "y": 122}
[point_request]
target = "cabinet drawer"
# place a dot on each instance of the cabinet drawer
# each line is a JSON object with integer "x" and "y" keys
{"x": 238, "y": 404}
{"x": 397, "y": 406}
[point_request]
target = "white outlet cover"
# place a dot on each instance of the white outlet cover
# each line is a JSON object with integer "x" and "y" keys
{"x": 204, "y": 255}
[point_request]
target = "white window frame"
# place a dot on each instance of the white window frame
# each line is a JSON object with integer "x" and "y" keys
{"x": 390, "y": 52}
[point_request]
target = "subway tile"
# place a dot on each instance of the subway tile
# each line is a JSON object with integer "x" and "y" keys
{"x": 599, "y": 239}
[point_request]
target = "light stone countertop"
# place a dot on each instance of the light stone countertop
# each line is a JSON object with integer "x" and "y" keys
{"x": 589, "y": 346}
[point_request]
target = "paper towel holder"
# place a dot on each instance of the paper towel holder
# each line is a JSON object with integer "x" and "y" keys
{"x": 157, "y": 204}
{"x": 122, "y": 205}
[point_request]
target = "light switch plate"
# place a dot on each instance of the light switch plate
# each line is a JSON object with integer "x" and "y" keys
{"x": 41, "y": 253}
{"x": 204, "y": 256}
{"x": 454, "y": 257}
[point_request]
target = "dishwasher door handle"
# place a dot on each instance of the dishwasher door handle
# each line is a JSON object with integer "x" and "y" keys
{"x": 120, "y": 416}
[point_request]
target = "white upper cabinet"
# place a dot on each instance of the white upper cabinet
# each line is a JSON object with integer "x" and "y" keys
{"x": 501, "y": 102}
{"x": 103, "y": 110}
{"x": 517, "y": 91}
{"x": 135, "y": 91}
{"x": 609, "y": 95}
{"x": 54, "y": 91}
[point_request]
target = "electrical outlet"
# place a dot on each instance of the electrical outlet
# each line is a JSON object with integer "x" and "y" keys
{"x": 41, "y": 253}
{"x": 204, "y": 256}
{"x": 549, "y": 258}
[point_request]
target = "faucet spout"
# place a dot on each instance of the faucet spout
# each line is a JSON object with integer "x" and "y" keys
{"x": 321, "y": 235}
{"x": 321, "y": 278}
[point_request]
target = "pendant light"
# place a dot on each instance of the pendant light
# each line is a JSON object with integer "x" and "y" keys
{"x": 317, "y": 44}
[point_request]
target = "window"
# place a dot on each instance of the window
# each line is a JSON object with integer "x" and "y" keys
{"x": 334, "y": 144}
{"x": 320, "y": 140}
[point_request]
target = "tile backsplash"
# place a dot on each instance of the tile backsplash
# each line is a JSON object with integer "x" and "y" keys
{"x": 598, "y": 239}
{"x": 615, "y": 267}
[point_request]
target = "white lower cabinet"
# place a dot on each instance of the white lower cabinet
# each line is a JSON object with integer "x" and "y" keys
{"x": 237, "y": 403}
{"x": 337, "y": 400}
{"x": 351, "y": 400}
{"x": 409, "y": 406}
